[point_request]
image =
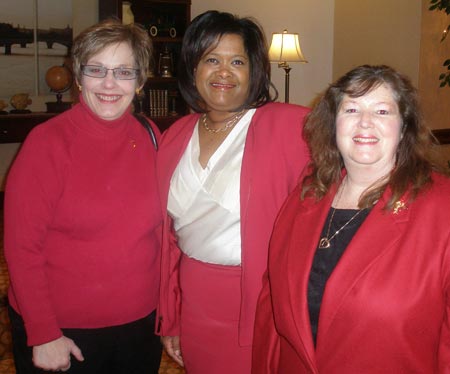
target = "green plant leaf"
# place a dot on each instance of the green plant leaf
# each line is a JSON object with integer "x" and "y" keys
{"x": 445, "y": 80}
{"x": 444, "y": 5}
{"x": 440, "y": 5}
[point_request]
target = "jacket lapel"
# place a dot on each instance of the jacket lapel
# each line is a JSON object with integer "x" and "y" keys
{"x": 379, "y": 232}
{"x": 171, "y": 150}
{"x": 305, "y": 236}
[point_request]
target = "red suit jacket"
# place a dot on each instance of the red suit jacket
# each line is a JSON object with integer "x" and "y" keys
{"x": 386, "y": 305}
{"x": 274, "y": 157}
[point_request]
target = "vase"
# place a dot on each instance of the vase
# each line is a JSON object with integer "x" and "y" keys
{"x": 127, "y": 13}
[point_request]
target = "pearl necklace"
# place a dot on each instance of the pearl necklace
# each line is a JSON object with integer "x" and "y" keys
{"x": 325, "y": 241}
{"x": 230, "y": 123}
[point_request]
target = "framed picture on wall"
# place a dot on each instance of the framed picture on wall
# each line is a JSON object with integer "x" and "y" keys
{"x": 34, "y": 35}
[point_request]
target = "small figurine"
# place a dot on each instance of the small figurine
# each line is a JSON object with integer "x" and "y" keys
{"x": 165, "y": 63}
{"x": 3, "y": 105}
{"x": 20, "y": 102}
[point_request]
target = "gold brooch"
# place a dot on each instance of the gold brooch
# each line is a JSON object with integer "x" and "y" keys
{"x": 399, "y": 206}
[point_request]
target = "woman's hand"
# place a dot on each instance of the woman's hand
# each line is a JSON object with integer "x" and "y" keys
{"x": 55, "y": 355}
{"x": 172, "y": 346}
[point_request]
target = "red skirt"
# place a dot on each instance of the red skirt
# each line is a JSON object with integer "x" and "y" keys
{"x": 210, "y": 304}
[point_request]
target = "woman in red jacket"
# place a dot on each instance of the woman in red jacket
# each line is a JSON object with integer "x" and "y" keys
{"x": 224, "y": 172}
{"x": 359, "y": 261}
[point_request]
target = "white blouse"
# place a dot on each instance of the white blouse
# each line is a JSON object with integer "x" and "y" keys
{"x": 205, "y": 203}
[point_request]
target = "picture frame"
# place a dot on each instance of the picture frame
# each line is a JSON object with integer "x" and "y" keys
{"x": 34, "y": 36}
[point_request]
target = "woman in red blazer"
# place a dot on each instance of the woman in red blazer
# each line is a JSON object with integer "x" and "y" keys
{"x": 224, "y": 173}
{"x": 359, "y": 260}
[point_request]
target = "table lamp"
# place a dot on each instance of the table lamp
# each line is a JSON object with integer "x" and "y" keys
{"x": 285, "y": 48}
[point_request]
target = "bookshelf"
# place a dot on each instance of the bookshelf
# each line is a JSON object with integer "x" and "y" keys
{"x": 166, "y": 22}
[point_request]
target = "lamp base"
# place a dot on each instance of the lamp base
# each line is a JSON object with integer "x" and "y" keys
{"x": 287, "y": 69}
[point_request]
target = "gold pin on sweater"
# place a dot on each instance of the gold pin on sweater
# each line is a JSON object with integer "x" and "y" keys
{"x": 399, "y": 206}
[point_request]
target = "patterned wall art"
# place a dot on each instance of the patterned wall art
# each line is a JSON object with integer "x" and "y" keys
{"x": 34, "y": 35}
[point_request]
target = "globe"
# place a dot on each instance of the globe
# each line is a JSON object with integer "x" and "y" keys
{"x": 58, "y": 78}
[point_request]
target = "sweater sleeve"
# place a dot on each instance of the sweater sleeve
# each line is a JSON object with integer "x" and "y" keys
{"x": 32, "y": 190}
{"x": 170, "y": 299}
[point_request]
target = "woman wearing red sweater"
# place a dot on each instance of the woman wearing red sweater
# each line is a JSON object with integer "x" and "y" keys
{"x": 82, "y": 221}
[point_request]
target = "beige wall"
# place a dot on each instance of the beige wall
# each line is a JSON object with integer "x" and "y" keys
{"x": 311, "y": 19}
{"x": 84, "y": 13}
{"x": 377, "y": 32}
{"x": 435, "y": 100}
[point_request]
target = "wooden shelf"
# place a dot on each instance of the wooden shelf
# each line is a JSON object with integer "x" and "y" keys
{"x": 166, "y": 39}
{"x": 161, "y": 80}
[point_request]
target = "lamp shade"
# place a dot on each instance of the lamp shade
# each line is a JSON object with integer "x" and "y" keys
{"x": 285, "y": 47}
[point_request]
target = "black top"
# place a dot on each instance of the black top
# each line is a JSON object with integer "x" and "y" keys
{"x": 326, "y": 259}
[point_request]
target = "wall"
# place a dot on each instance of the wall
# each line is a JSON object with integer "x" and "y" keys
{"x": 435, "y": 100}
{"x": 311, "y": 19}
{"x": 377, "y": 32}
{"x": 84, "y": 13}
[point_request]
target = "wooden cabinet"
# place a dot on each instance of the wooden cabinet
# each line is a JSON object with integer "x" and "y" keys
{"x": 14, "y": 128}
{"x": 166, "y": 22}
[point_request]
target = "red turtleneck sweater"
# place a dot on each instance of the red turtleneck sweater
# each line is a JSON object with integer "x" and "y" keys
{"x": 82, "y": 224}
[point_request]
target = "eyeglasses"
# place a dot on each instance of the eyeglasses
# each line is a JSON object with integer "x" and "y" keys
{"x": 96, "y": 71}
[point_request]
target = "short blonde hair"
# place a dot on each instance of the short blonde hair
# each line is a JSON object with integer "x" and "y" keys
{"x": 111, "y": 31}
